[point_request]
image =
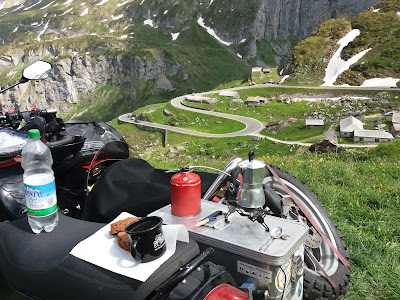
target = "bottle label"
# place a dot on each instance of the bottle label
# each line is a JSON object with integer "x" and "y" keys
{"x": 41, "y": 200}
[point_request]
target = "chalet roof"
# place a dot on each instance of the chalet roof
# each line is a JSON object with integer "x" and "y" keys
{"x": 349, "y": 124}
{"x": 396, "y": 117}
{"x": 229, "y": 94}
{"x": 256, "y": 69}
{"x": 201, "y": 99}
{"x": 273, "y": 123}
{"x": 255, "y": 99}
{"x": 195, "y": 98}
{"x": 377, "y": 134}
{"x": 396, "y": 127}
{"x": 252, "y": 99}
{"x": 315, "y": 122}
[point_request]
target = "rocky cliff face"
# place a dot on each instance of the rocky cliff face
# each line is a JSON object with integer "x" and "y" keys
{"x": 82, "y": 75}
{"x": 277, "y": 19}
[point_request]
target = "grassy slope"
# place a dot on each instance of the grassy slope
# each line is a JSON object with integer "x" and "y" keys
{"x": 275, "y": 110}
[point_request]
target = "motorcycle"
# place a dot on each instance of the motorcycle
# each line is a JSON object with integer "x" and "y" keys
{"x": 74, "y": 146}
{"x": 300, "y": 253}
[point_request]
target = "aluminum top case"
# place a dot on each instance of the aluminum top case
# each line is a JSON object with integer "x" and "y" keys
{"x": 247, "y": 250}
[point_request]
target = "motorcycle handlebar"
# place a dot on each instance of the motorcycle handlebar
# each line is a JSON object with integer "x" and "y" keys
{"x": 13, "y": 118}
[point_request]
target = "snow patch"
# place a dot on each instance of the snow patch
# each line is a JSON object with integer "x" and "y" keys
{"x": 34, "y": 24}
{"x": 239, "y": 55}
{"x": 29, "y": 7}
{"x": 165, "y": 12}
{"x": 68, "y": 2}
{"x": 211, "y": 32}
{"x": 85, "y": 12}
{"x": 117, "y": 17}
{"x": 123, "y": 3}
{"x": 102, "y": 2}
{"x": 398, "y": 13}
{"x": 43, "y": 31}
{"x": 149, "y": 22}
{"x": 123, "y": 37}
{"x": 141, "y": 2}
{"x": 19, "y": 7}
{"x": 376, "y": 10}
{"x": 175, "y": 35}
{"x": 284, "y": 78}
{"x": 65, "y": 12}
{"x": 337, "y": 65}
{"x": 111, "y": 31}
{"x": 211, "y": 2}
{"x": 15, "y": 29}
{"x": 242, "y": 41}
{"x": 46, "y": 6}
{"x": 381, "y": 82}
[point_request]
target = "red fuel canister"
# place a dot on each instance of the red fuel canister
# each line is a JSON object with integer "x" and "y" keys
{"x": 185, "y": 194}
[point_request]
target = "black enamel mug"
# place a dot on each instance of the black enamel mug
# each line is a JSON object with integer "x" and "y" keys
{"x": 146, "y": 238}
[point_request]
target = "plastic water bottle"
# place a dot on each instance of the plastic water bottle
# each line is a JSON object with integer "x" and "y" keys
{"x": 39, "y": 184}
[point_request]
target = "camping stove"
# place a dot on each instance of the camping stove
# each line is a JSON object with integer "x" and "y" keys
{"x": 266, "y": 267}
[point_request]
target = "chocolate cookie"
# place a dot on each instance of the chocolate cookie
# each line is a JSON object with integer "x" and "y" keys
{"x": 120, "y": 225}
{"x": 123, "y": 241}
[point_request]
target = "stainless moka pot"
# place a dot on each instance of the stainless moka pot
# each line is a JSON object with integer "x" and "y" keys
{"x": 251, "y": 191}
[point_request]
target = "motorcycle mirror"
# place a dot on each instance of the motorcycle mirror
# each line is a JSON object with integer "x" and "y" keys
{"x": 37, "y": 71}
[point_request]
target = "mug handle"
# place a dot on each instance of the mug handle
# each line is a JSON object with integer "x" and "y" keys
{"x": 135, "y": 254}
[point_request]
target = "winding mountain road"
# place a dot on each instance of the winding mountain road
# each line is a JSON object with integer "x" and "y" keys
{"x": 253, "y": 126}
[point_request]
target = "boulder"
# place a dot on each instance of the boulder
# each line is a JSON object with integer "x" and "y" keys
{"x": 325, "y": 146}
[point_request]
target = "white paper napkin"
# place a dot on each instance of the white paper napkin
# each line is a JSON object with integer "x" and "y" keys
{"x": 102, "y": 249}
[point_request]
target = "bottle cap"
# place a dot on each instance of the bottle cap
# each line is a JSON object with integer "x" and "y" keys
{"x": 34, "y": 134}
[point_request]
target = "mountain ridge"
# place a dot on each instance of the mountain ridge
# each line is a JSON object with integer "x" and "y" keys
{"x": 68, "y": 33}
